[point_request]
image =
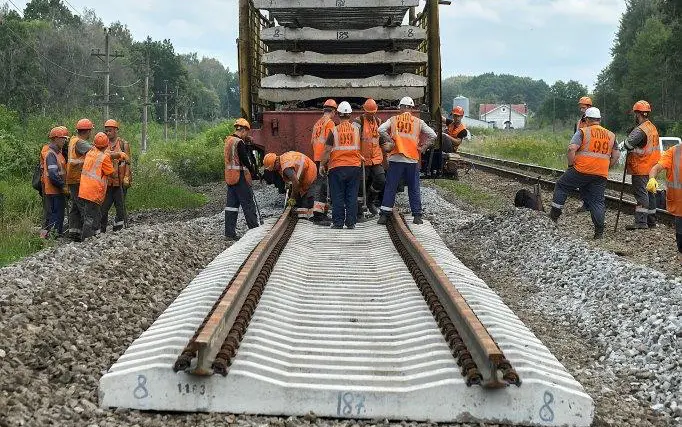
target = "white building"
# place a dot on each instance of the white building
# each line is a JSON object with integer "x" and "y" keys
{"x": 472, "y": 123}
{"x": 502, "y": 116}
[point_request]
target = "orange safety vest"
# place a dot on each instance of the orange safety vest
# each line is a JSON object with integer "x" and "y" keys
{"x": 371, "y": 150}
{"x": 641, "y": 160}
{"x": 673, "y": 192}
{"x": 233, "y": 166}
{"x": 125, "y": 169}
{"x": 405, "y": 131}
{"x": 346, "y": 150}
{"x": 48, "y": 187}
{"x": 96, "y": 166}
{"x": 74, "y": 165}
{"x": 594, "y": 155}
{"x": 305, "y": 169}
{"x": 453, "y": 130}
{"x": 321, "y": 130}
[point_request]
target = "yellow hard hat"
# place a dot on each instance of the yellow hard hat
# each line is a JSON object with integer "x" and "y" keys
{"x": 242, "y": 123}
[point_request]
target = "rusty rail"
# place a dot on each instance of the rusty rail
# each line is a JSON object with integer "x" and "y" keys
{"x": 480, "y": 358}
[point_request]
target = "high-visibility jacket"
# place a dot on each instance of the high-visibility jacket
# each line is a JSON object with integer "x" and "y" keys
{"x": 48, "y": 187}
{"x": 641, "y": 160}
{"x": 346, "y": 150}
{"x": 454, "y": 130}
{"x": 114, "y": 180}
{"x": 233, "y": 166}
{"x": 594, "y": 155}
{"x": 672, "y": 162}
{"x": 321, "y": 130}
{"x": 405, "y": 131}
{"x": 305, "y": 169}
{"x": 369, "y": 141}
{"x": 74, "y": 165}
{"x": 96, "y": 167}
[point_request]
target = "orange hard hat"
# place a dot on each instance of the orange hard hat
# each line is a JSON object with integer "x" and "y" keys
{"x": 101, "y": 140}
{"x": 370, "y": 106}
{"x": 59, "y": 132}
{"x": 458, "y": 111}
{"x": 84, "y": 124}
{"x": 585, "y": 100}
{"x": 330, "y": 103}
{"x": 242, "y": 123}
{"x": 111, "y": 123}
{"x": 269, "y": 161}
{"x": 642, "y": 106}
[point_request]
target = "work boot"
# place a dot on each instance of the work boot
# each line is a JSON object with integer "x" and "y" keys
{"x": 372, "y": 209}
{"x": 231, "y": 237}
{"x": 336, "y": 227}
{"x": 598, "y": 234}
{"x": 417, "y": 219}
{"x": 554, "y": 214}
{"x": 351, "y": 227}
{"x": 581, "y": 209}
{"x": 636, "y": 226}
{"x": 383, "y": 219}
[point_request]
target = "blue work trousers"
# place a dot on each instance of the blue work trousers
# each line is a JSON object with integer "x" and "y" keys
{"x": 344, "y": 182}
{"x": 54, "y": 208}
{"x": 409, "y": 172}
{"x": 591, "y": 189}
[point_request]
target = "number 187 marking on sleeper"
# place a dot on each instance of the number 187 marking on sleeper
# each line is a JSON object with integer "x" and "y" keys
{"x": 348, "y": 404}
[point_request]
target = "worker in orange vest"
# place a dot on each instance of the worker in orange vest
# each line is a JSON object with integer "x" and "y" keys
{"x": 342, "y": 159}
{"x": 643, "y": 154}
{"x": 79, "y": 145}
{"x": 401, "y": 136}
{"x": 298, "y": 170}
{"x": 591, "y": 153}
{"x": 371, "y": 151}
{"x": 584, "y": 103}
{"x": 321, "y": 131}
{"x": 53, "y": 182}
{"x": 119, "y": 181}
{"x": 238, "y": 175}
{"x": 97, "y": 166}
{"x": 456, "y": 129}
{"x": 671, "y": 161}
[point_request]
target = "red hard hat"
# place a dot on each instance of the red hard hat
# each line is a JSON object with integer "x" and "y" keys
{"x": 101, "y": 140}
{"x": 330, "y": 103}
{"x": 84, "y": 124}
{"x": 111, "y": 123}
{"x": 585, "y": 100}
{"x": 370, "y": 106}
{"x": 458, "y": 111}
{"x": 59, "y": 132}
{"x": 642, "y": 106}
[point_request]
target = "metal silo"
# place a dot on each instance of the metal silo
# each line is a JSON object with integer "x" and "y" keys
{"x": 463, "y": 102}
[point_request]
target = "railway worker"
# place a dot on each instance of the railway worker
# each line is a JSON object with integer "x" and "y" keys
{"x": 584, "y": 103}
{"x": 119, "y": 181}
{"x": 643, "y": 154}
{"x": 97, "y": 166}
{"x": 298, "y": 170}
{"x": 371, "y": 151}
{"x": 53, "y": 181}
{"x": 321, "y": 131}
{"x": 401, "y": 134}
{"x": 79, "y": 145}
{"x": 591, "y": 153}
{"x": 238, "y": 174}
{"x": 671, "y": 161}
{"x": 343, "y": 160}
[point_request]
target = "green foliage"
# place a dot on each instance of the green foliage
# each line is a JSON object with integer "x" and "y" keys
{"x": 155, "y": 188}
{"x": 561, "y": 104}
{"x": 470, "y": 195}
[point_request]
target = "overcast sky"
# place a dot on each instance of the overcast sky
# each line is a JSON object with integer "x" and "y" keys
{"x": 543, "y": 39}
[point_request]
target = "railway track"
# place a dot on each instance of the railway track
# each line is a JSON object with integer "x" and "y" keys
{"x": 380, "y": 322}
{"x": 546, "y": 177}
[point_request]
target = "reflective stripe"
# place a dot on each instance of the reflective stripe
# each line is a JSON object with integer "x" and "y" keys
{"x": 338, "y": 147}
{"x": 386, "y": 208}
{"x": 641, "y": 209}
{"x": 233, "y": 167}
{"x": 76, "y": 161}
{"x": 53, "y": 166}
{"x": 652, "y": 211}
{"x": 74, "y": 230}
{"x": 231, "y": 209}
{"x": 558, "y": 206}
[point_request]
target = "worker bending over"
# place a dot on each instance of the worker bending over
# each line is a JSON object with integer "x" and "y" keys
{"x": 97, "y": 166}
{"x": 54, "y": 187}
{"x": 321, "y": 131}
{"x": 401, "y": 134}
{"x": 119, "y": 181}
{"x": 343, "y": 161}
{"x": 375, "y": 176}
{"x": 238, "y": 173}
{"x": 300, "y": 172}
{"x": 591, "y": 153}
{"x": 79, "y": 145}
{"x": 643, "y": 154}
{"x": 671, "y": 161}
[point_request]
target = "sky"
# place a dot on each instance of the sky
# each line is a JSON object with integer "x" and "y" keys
{"x": 543, "y": 39}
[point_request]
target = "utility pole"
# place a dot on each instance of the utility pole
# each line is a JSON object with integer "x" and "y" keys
{"x": 107, "y": 57}
{"x": 165, "y": 95}
{"x": 145, "y": 108}
{"x": 177, "y": 97}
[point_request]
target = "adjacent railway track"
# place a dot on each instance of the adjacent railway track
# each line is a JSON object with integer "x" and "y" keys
{"x": 380, "y": 322}
{"x": 546, "y": 177}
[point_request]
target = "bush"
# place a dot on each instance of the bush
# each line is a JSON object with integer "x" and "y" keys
{"x": 156, "y": 187}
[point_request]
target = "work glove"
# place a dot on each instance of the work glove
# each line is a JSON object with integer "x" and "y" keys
{"x": 652, "y": 185}
{"x": 291, "y": 202}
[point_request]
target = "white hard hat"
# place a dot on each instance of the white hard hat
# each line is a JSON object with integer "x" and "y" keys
{"x": 344, "y": 108}
{"x": 593, "y": 113}
{"x": 407, "y": 101}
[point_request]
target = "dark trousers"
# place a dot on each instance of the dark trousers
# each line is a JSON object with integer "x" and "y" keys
{"x": 91, "y": 218}
{"x": 645, "y": 211}
{"x": 319, "y": 192}
{"x": 239, "y": 194}
{"x": 344, "y": 182}
{"x": 54, "y": 208}
{"x": 76, "y": 211}
{"x": 409, "y": 172}
{"x": 591, "y": 188}
{"x": 678, "y": 233}
{"x": 116, "y": 198}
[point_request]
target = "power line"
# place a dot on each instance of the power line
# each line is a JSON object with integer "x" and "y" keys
{"x": 127, "y": 86}
{"x": 73, "y": 8}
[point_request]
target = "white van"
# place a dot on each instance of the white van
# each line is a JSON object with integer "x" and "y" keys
{"x": 665, "y": 142}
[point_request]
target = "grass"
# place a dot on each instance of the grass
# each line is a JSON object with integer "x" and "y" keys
{"x": 470, "y": 195}
{"x": 155, "y": 189}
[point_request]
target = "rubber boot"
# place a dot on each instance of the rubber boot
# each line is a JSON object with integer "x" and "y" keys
{"x": 598, "y": 233}
{"x": 554, "y": 214}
